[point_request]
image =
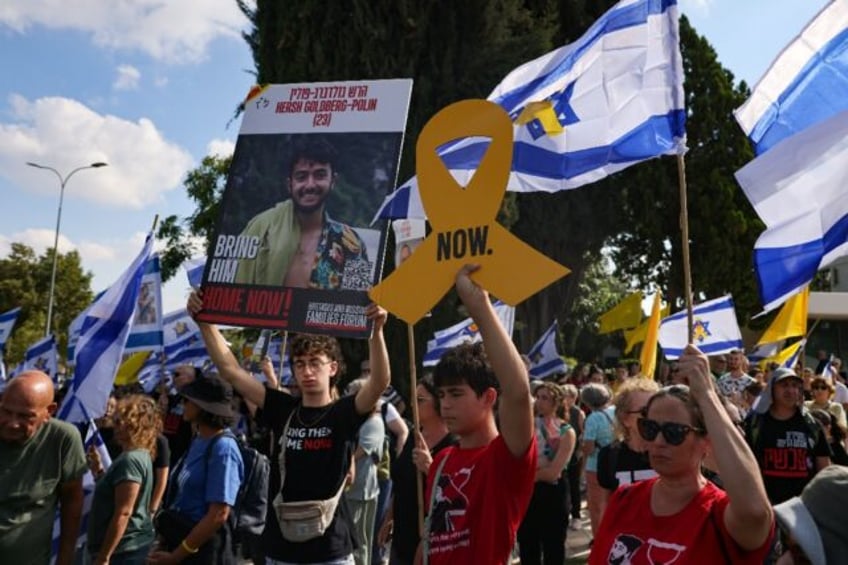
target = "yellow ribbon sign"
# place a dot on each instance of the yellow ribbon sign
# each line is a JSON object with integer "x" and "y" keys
{"x": 463, "y": 221}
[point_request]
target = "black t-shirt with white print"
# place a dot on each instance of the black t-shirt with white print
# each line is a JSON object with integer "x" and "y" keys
{"x": 320, "y": 445}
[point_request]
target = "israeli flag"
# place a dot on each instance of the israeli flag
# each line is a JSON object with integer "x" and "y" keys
{"x": 3, "y": 377}
{"x": 92, "y": 439}
{"x": 146, "y": 331}
{"x": 280, "y": 360}
{"x": 798, "y": 190}
{"x": 75, "y": 329}
{"x": 43, "y": 356}
{"x": 101, "y": 343}
{"x": 805, "y": 85}
{"x": 715, "y": 330}
{"x": 7, "y": 324}
{"x": 194, "y": 271}
{"x": 544, "y": 358}
{"x": 609, "y": 100}
{"x": 465, "y": 331}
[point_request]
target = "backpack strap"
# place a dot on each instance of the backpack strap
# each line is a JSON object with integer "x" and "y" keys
{"x": 426, "y": 537}
{"x": 284, "y": 439}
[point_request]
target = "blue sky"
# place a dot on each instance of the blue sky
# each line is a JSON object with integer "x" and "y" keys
{"x": 149, "y": 87}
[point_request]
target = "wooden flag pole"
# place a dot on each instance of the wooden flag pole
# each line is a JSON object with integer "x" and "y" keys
{"x": 282, "y": 357}
{"x": 684, "y": 230}
{"x": 416, "y": 423}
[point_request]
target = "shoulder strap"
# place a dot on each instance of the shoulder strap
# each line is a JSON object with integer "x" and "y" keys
{"x": 426, "y": 537}
{"x": 285, "y": 439}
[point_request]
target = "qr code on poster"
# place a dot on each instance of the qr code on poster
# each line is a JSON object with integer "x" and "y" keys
{"x": 357, "y": 275}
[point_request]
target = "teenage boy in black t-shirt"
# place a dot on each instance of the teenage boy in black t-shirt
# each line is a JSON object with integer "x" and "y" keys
{"x": 321, "y": 435}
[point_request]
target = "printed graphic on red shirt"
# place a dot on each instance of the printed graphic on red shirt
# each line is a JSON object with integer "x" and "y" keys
{"x": 449, "y": 529}
{"x": 625, "y": 547}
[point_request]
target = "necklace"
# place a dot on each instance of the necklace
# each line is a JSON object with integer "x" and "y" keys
{"x": 317, "y": 419}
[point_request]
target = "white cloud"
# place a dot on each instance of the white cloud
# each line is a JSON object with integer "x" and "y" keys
{"x": 172, "y": 31}
{"x": 127, "y": 79}
{"x": 220, "y": 148}
{"x": 701, "y": 5}
{"x": 66, "y": 134}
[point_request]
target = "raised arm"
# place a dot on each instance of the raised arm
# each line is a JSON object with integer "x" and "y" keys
{"x": 749, "y": 515}
{"x": 228, "y": 366}
{"x": 516, "y": 405}
{"x": 376, "y": 383}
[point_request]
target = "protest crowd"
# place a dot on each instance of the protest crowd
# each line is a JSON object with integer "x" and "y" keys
{"x": 287, "y": 452}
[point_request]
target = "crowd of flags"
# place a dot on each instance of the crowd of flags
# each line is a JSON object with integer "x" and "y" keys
{"x": 611, "y": 99}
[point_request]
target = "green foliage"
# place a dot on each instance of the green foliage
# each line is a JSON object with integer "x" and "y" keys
{"x": 25, "y": 282}
{"x": 204, "y": 186}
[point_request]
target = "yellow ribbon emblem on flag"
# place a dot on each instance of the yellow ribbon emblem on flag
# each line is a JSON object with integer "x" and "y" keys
{"x": 464, "y": 223}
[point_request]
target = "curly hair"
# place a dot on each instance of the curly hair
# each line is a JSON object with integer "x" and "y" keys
{"x": 554, "y": 389}
{"x": 466, "y": 364}
{"x": 138, "y": 415}
{"x": 622, "y": 400}
{"x": 304, "y": 345}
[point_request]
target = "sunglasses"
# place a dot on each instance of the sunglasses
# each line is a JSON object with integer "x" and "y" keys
{"x": 672, "y": 432}
{"x": 819, "y": 387}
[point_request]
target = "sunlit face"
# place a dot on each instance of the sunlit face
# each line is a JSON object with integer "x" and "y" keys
{"x": 674, "y": 460}
{"x": 734, "y": 362}
{"x": 183, "y": 375}
{"x": 821, "y": 391}
{"x": 636, "y": 402}
{"x": 21, "y": 415}
{"x": 310, "y": 183}
{"x": 313, "y": 373}
{"x": 462, "y": 410}
{"x": 426, "y": 405}
{"x": 788, "y": 393}
{"x": 545, "y": 402}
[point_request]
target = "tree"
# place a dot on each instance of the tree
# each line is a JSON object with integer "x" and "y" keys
{"x": 204, "y": 186}
{"x": 25, "y": 282}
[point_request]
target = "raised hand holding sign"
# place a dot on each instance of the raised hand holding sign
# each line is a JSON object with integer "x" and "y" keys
{"x": 464, "y": 223}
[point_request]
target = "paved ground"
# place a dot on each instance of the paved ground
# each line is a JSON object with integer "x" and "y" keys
{"x": 577, "y": 543}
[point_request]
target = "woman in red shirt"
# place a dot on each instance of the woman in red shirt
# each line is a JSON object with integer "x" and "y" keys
{"x": 679, "y": 517}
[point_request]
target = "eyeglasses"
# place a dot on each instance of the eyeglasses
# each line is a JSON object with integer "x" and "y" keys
{"x": 313, "y": 364}
{"x": 673, "y": 432}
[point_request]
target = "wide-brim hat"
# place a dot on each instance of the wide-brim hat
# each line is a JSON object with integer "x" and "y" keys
{"x": 212, "y": 394}
{"x": 816, "y": 518}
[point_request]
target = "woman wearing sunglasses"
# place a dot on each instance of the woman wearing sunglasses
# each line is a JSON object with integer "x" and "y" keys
{"x": 822, "y": 392}
{"x": 679, "y": 517}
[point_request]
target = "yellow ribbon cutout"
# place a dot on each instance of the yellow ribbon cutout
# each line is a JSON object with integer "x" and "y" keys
{"x": 464, "y": 223}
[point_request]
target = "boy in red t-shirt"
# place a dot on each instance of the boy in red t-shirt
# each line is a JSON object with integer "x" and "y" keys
{"x": 477, "y": 493}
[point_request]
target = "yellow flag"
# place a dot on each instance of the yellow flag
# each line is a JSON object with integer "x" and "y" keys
{"x": 626, "y": 314}
{"x": 786, "y": 357}
{"x": 128, "y": 371}
{"x": 791, "y": 321}
{"x": 648, "y": 358}
{"x": 637, "y": 335}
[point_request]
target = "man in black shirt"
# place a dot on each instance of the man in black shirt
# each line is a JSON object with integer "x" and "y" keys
{"x": 788, "y": 443}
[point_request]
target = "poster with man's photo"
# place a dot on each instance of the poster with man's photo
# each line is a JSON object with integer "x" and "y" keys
{"x": 294, "y": 249}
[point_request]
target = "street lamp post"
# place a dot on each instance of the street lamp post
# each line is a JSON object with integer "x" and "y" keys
{"x": 62, "y": 182}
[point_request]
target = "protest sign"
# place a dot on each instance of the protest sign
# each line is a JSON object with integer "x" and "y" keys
{"x": 293, "y": 249}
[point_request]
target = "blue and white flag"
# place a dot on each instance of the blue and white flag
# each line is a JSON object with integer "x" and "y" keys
{"x": 194, "y": 271}
{"x": 609, "y": 100}
{"x": 3, "y": 377}
{"x": 101, "y": 343}
{"x": 183, "y": 343}
{"x": 798, "y": 190}
{"x": 715, "y": 329}
{"x": 75, "y": 329}
{"x": 544, "y": 357}
{"x": 92, "y": 438}
{"x": 43, "y": 356}
{"x": 282, "y": 363}
{"x": 465, "y": 331}
{"x": 805, "y": 85}
{"x": 146, "y": 330}
{"x": 7, "y": 324}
